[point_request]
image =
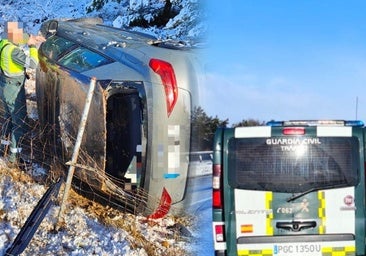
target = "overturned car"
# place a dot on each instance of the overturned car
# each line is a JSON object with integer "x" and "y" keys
{"x": 138, "y": 128}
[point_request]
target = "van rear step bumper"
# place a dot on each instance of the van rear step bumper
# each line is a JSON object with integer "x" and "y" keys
{"x": 295, "y": 238}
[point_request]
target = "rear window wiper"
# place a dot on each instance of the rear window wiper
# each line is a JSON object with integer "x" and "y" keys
{"x": 296, "y": 196}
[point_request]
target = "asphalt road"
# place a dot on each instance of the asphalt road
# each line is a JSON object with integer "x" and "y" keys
{"x": 199, "y": 192}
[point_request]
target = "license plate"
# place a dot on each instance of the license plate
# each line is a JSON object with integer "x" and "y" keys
{"x": 309, "y": 249}
{"x": 291, "y": 249}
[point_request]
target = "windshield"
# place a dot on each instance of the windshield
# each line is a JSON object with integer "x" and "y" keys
{"x": 293, "y": 164}
{"x": 55, "y": 46}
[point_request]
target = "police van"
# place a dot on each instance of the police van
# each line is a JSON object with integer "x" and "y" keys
{"x": 290, "y": 188}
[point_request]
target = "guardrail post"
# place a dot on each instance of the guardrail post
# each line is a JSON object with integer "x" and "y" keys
{"x": 75, "y": 154}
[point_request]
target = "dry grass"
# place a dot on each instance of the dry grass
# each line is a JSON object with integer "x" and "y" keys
{"x": 156, "y": 237}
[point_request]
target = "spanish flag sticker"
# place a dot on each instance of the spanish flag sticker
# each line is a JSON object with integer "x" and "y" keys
{"x": 246, "y": 228}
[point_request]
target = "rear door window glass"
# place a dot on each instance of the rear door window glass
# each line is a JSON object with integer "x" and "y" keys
{"x": 82, "y": 59}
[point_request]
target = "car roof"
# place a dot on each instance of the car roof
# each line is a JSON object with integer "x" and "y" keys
{"x": 94, "y": 34}
{"x": 130, "y": 50}
{"x": 98, "y": 33}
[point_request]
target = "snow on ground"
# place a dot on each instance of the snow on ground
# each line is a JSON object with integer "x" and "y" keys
{"x": 89, "y": 228}
{"x": 86, "y": 228}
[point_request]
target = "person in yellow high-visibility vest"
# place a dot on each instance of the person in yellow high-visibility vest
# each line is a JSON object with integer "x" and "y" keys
{"x": 14, "y": 60}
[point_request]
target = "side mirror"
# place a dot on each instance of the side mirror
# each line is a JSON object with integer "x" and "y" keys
{"x": 52, "y": 27}
{"x": 49, "y": 28}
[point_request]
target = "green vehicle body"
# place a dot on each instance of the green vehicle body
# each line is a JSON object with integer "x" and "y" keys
{"x": 308, "y": 220}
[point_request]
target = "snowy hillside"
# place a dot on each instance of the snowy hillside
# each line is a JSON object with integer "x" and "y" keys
{"x": 90, "y": 228}
{"x": 187, "y": 25}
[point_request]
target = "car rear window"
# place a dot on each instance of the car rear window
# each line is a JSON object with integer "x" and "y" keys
{"x": 293, "y": 164}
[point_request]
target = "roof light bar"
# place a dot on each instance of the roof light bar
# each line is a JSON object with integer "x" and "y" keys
{"x": 357, "y": 123}
{"x": 316, "y": 123}
{"x": 274, "y": 123}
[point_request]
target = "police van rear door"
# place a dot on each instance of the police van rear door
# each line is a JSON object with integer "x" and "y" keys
{"x": 298, "y": 190}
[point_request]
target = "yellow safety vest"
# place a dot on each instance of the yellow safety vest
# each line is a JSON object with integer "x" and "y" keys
{"x": 8, "y": 66}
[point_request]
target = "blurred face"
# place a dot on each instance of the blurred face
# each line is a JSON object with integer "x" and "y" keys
{"x": 15, "y": 34}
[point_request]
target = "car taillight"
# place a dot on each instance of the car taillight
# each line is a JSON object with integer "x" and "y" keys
{"x": 219, "y": 233}
{"x": 166, "y": 72}
{"x": 216, "y": 186}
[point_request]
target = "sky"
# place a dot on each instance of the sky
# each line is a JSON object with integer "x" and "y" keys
{"x": 285, "y": 60}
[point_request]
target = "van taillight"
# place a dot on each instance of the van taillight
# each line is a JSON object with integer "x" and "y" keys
{"x": 216, "y": 199}
{"x": 219, "y": 233}
{"x": 166, "y": 72}
{"x": 216, "y": 186}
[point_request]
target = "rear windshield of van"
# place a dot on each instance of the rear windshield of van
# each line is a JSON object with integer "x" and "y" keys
{"x": 293, "y": 164}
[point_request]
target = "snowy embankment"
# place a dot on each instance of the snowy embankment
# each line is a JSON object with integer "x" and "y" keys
{"x": 88, "y": 227}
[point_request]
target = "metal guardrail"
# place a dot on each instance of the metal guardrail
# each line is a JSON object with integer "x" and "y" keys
{"x": 34, "y": 220}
